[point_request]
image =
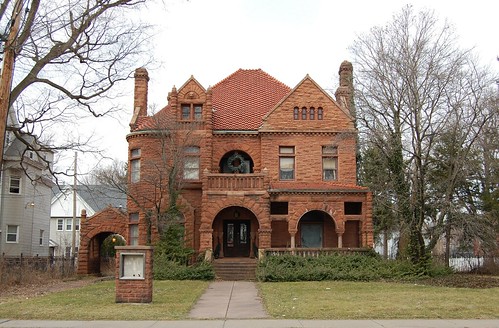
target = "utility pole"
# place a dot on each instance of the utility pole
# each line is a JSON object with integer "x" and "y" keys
{"x": 73, "y": 228}
{"x": 8, "y": 72}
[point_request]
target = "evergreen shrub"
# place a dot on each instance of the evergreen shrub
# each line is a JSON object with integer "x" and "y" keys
{"x": 172, "y": 259}
{"x": 355, "y": 267}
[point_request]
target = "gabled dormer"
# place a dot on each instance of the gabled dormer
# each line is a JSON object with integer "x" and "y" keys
{"x": 308, "y": 107}
{"x": 192, "y": 103}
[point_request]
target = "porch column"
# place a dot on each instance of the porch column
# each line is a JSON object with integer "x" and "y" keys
{"x": 252, "y": 242}
{"x": 221, "y": 244}
{"x": 340, "y": 240}
{"x": 293, "y": 237}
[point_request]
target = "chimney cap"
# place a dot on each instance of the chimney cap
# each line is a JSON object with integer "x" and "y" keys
{"x": 141, "y": 72}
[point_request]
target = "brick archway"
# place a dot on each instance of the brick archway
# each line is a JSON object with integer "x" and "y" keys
{"x": 93, "y": 231}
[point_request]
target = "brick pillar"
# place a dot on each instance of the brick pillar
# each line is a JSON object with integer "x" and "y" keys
{"x": 367, "y": 225}
{"x": 134, "y": 281}
{"x": 206, "y": 239}
{"x": 83, "y": 248}
{"x": 264, "y": 236}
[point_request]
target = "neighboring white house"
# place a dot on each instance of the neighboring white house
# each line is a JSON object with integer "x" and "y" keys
{"x": 25, "y": 192}
{"x": 92, "y": 198}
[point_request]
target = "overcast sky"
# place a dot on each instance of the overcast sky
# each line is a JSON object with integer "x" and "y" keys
{"x": 288, "y": 39}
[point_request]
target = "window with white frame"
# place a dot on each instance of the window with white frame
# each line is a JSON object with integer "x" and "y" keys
{"x": 134, "y": 234}
{"x": 69, "y": 224}
{"x": 12, "y": 234}
{"x": 41, "y": 237}
{"x": 15, "y": 185}
{"x": 286, "y": 163}
{"x": 60, "y": 224}
{"x": 329, "y": 163}
{"x": 191, "y": 163}
{"x": 135, "y": 165}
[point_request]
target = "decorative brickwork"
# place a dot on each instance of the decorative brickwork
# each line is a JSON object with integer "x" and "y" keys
{"x": 93, "y": 231}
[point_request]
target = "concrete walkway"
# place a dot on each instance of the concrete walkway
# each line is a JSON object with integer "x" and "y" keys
{"x": 229, "y": 300}
{"x": 254, "y": 323}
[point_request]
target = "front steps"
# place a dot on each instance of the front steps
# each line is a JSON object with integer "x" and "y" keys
{"x": 235, "y": 268}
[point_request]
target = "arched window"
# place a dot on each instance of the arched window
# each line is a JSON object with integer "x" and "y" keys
{"x": 320, "y": 113}
{"x": 304, "y": 113}
{"x": 296, "y": 113}
{"x": 312, "y": 113}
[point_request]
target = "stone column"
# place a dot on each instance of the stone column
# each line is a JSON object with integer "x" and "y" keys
{"x": 292, "y": 233}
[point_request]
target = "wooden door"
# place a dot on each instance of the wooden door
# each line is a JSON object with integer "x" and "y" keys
{"x": 237, "y": 238}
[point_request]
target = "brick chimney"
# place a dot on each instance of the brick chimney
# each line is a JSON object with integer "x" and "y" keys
{"x": 344, "y": 93}
{"x": 140, "y": 95}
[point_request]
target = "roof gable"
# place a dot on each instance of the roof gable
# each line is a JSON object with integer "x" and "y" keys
{"x": 192, "y": 91}
{"x": 242, "y": 99}
{"x": 306, "y": 95}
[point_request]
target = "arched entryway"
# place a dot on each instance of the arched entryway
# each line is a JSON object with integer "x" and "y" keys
{"x": 316, "y": 229}
{"x": 93, "y": 233}
{"x": 235, "y": 233}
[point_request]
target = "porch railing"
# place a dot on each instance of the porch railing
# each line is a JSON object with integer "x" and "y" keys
{"x": 226, "y": 182}
{"x": 314, "y": 252}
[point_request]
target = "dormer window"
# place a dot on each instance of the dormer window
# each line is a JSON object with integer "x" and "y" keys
{"x": 192, "y": 112}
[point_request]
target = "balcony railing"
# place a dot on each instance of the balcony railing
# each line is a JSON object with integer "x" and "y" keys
{"x": 236, "y": 182}
{"x": 313, "y": 252}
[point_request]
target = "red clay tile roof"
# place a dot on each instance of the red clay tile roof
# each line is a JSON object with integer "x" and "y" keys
{"x": 242, "y": 99}
{"x": 157, "y": 121}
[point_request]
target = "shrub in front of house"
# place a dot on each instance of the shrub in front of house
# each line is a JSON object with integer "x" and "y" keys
{"x": 355, "y": 267}
{"x": 174, "y": 261}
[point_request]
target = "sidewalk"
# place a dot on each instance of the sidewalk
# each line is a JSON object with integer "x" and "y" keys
{"x": 255, "y": 323}
{"x": 229, "y": 300}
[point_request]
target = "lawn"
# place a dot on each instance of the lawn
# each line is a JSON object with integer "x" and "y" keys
{"x": 171, "y": 300}
{"x": 377, "y": 300}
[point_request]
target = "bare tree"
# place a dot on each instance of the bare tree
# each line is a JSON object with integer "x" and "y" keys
{"x": 411, "y": 79}
{"x": 69, "y": 56}
{"x": 161, "y": 177}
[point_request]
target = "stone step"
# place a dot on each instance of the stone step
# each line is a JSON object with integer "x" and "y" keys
{"x": 235, "y": 269}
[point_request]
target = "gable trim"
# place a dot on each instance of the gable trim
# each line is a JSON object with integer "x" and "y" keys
{"x": 307, "y": 77}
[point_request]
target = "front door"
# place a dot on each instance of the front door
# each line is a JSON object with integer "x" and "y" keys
{"x": 237, "y": 238}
